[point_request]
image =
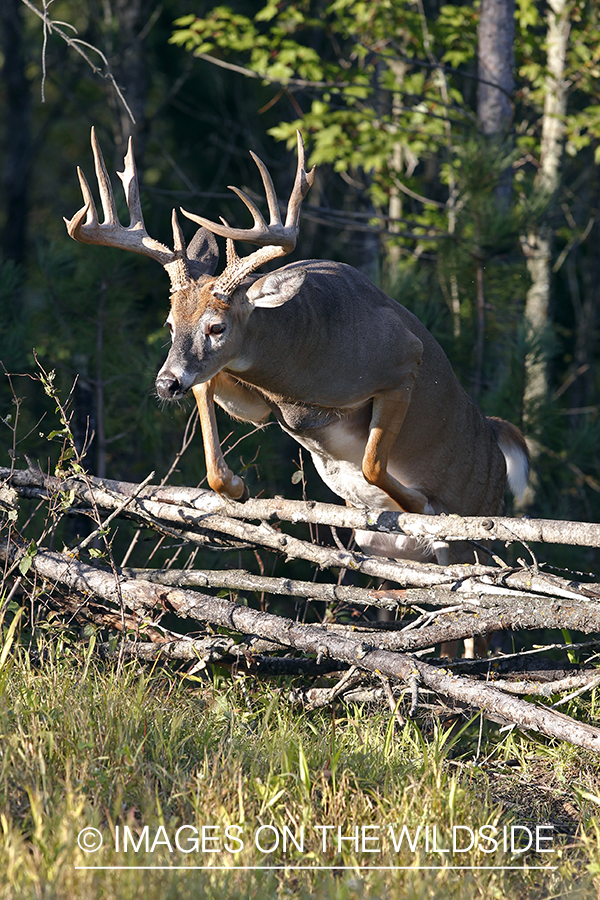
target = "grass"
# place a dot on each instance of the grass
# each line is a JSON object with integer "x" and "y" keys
{"x": 84, "y": 744}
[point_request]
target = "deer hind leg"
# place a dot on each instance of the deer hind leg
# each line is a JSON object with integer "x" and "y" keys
{"x": 220, "y": 477}
{"x": 389, "y": 411}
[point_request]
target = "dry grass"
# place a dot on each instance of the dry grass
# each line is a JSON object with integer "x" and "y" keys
{"x": 85, "y": 745}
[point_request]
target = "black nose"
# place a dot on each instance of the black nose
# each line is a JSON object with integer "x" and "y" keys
{"x": 168, "y": 386}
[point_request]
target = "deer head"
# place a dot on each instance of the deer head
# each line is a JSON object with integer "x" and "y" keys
{"x": 208, "y": 313}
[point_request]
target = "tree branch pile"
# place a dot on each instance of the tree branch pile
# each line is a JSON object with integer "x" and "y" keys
{"x": 431, "y": 604}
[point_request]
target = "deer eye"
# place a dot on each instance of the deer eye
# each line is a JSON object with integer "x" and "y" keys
{"x": 217, "y": 328}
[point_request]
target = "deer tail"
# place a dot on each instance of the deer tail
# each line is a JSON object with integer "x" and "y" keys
{"x": 513, "y": 446}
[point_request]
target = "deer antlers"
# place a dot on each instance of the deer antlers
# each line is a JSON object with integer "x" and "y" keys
{"x": 274, "y": 239}
{"x": 133, "y": 237}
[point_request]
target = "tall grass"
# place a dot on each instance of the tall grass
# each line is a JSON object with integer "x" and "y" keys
{"x": 84, "y": 744}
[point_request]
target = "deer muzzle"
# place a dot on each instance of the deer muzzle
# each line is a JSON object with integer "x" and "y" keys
{"x": 168, "y": 386}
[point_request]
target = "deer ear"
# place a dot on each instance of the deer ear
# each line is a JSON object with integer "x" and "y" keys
{"x": 276, "y": 288}
{"x": 203, "y": 253}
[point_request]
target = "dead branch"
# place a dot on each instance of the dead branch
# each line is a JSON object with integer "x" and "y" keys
{"x": 240, "y": 580}
{"x": 490, "y": 614}
{"x": 586, "y": 680}
{"x": 464, "y": 592}
{"x": 442, "y": 527}
{"x": 166, "y": 644}
{"x": 51, "y": 25}
{"x": 145, "y": 596}
{"x": 222, "y": 650}
{"x": 196, "y": 527}
{"x": 466, "y": 600}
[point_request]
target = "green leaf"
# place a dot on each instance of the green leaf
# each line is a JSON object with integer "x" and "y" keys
{"x": 9, "y": 639}
{"x": 26, "y": 560}
{"x": 303, "y": 769}
{"x": 184, "y": 20}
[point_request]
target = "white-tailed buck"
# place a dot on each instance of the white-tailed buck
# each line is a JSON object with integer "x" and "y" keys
{"x": 354, "y": 377}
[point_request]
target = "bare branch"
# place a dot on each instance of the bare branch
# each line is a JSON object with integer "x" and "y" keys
{"x": 446, "y": 528}
{"x": 144, "y": 595}
{"x": 168, "y": 513}
{"x": 52, "y": 25}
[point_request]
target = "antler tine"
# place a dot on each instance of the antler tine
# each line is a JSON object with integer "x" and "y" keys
{"x": 258, "y": 234}
{"x": 260, "y": 226}
{"x": 302, "y": 183}
{"x": 270, "y": 194}
{"x": 275, "y": 234}
{"x": 233, "y": 260}
{"x": 178, "y": 239}
{"x": 106, "y": 192}
{"x": 131, "y": 189}
{"x": 274, "y": 240}
{"x": 87, "y": 211}
{"x": 178, "y": 269}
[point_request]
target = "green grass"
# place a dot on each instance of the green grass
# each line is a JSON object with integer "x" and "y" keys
{"x": 83, "y": 744}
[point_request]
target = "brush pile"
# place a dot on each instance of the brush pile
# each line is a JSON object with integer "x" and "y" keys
{"x": 373, "y": 636}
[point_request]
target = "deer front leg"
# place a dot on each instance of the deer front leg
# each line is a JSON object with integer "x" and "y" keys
{"x": 220, "y": 477}
{"x": 389, "y": 411}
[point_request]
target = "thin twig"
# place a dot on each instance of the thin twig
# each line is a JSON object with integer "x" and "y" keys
{"x": 116, "y": 512}
{"x": 76, "y": 44}
{"x": 393, "y": 705}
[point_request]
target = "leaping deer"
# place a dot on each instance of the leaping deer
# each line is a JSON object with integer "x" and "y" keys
{"x": 348, "y": 372}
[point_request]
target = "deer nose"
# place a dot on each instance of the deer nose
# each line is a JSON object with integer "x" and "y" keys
{"x": 168, "y": 386}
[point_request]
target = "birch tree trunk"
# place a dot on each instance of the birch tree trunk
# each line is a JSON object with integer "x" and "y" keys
{"x": 398, "y": 67}
{"x": 496, "y": 63}
{"x": 538, "y": 244}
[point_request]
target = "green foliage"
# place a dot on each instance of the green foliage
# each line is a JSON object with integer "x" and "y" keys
{"x": 352, "y": 123}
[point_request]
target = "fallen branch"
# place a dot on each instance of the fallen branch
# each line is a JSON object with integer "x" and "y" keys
{"x": 166, "y": 644}
{"x": 222, "y": 650}
{"x": 439, "y": 528}
{"x": 196, "y": 527}
{"x": 240, "y": 580}
{"x": 471, "y": 612}
{"x": 586, "y": 680}
{"x": 143, "y": 596}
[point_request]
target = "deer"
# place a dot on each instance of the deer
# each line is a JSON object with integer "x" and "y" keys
{"x": 353, "y": 376}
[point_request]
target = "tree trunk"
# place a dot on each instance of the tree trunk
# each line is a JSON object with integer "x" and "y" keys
{"x": 395, "y": 207}
{"x": 538, "y": 245}
{"x": 496, "y": 62}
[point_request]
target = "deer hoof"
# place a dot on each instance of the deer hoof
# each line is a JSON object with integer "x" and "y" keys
{"x": 238, "y": 490}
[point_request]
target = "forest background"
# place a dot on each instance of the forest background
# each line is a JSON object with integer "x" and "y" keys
{"x": 457, "y": 150}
